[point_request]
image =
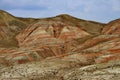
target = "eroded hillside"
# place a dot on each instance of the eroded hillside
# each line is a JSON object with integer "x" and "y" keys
{"x": 58, "y": 48}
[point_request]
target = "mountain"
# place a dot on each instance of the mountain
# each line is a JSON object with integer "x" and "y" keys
{"x": 58, "y": 48}
{"x": 112, "y": 27}
{"x": 9, "y": 27}
{"x": 54, "y": 34}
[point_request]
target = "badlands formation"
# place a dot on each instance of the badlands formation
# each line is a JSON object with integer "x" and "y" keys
{"x": 58, "y": 48}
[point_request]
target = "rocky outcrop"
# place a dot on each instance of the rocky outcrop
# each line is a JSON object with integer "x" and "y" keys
{"x": 72, "y": 67}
